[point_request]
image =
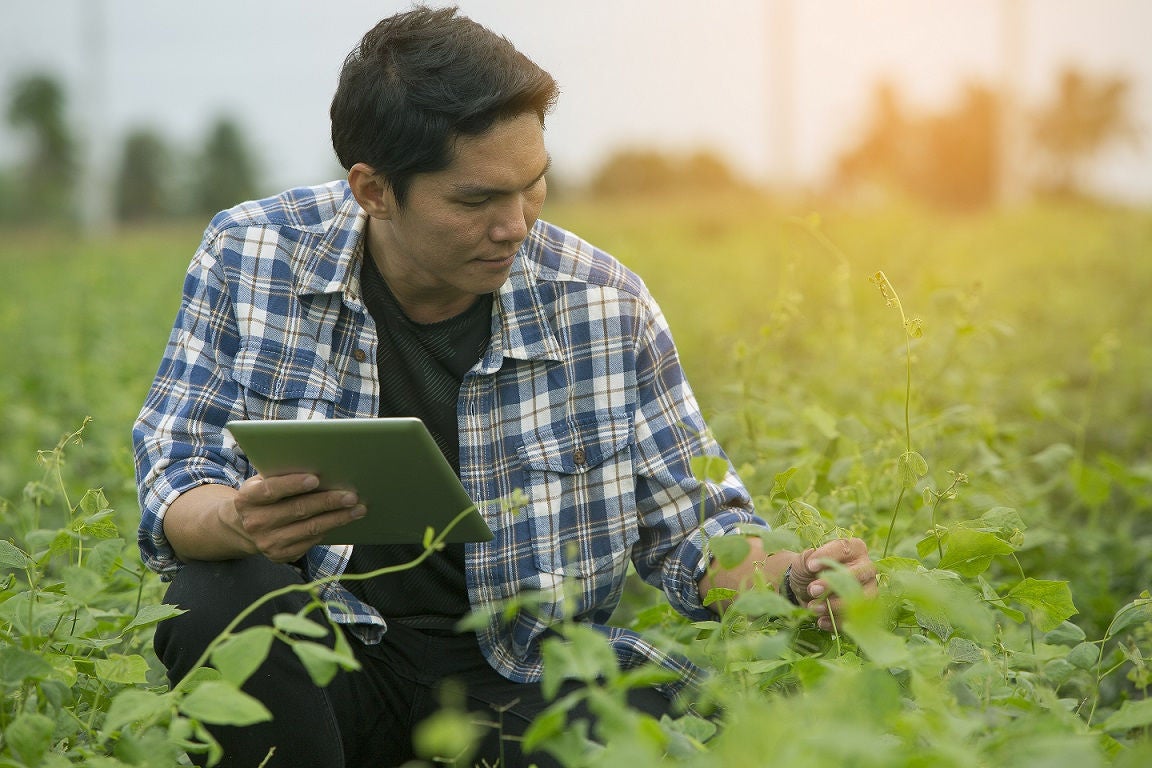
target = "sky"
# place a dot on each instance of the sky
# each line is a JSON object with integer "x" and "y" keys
{"x": 778, "y": 87}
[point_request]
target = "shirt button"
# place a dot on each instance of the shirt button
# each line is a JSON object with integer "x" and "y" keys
{"x": 360, "y": 355}
{"x": 579, "y": 457}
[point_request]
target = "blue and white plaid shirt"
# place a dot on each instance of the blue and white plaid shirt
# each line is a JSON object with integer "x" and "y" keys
{"x": 580, "y": 402}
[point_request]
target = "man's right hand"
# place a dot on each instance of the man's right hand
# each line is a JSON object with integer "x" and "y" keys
{"x": 279, "y": 517}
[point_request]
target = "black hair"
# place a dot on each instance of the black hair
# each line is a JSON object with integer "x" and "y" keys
{"x": 419, "y": 79}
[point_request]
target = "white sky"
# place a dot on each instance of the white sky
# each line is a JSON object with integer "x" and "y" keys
{"x": 659, "y": 73}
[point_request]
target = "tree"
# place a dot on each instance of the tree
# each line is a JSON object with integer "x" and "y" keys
{"x": 46, "y": 178}
{"x": 1086, "y": 114}
{"x": 227, "y": 170}
{"x": 143, "y": 190}
{"x": 648, "y": 172}
{"x": 950, "y": 159}
{"x": 883, "y": 156}
{"x": 960, "y": 161}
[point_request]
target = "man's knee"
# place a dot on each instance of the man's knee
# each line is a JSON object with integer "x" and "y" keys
{"x": 212, "y": 594}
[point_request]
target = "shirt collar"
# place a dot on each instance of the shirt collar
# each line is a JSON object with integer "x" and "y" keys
{"x": 524, "y": 332}
{"x": 327, "y": 266}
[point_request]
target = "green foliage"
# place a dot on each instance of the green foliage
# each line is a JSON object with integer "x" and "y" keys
{"x": 999, "y": 446}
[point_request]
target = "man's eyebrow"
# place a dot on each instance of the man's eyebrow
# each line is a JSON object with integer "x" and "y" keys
{"x": 474, "y": 190}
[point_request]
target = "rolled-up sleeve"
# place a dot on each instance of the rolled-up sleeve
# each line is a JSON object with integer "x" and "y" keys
{"x": 178, "y": 437}
{"x": 678, "y": 512}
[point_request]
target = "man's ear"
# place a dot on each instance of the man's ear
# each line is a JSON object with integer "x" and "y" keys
{"x": 371, "y": 191}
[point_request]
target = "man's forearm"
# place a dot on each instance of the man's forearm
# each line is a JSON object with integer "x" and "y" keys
{"x": 201, "y": 524}
{"x": 757, "y": 565}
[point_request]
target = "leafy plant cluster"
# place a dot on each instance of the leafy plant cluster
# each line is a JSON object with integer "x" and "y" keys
{"x": 977, "y": 425}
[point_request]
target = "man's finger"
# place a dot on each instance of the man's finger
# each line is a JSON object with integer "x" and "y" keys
{"x": 268, "y": 490}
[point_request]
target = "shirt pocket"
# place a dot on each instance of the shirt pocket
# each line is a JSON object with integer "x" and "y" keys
{"x": 581, "y": 495}
{"x": 282, "y": 382}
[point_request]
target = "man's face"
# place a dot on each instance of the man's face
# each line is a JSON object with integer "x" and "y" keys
{"x": 456, "y": 237}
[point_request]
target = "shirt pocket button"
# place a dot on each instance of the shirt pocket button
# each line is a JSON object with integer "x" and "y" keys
{"x": 579, "y": 457}
{"x": 360, "y": 355}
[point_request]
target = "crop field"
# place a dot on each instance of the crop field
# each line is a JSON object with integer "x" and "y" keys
{"x": 971, "y": 395}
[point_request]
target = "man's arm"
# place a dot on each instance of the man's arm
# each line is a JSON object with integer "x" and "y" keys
{"x": 804, "y": 577}
{"x": 278, "y": 517}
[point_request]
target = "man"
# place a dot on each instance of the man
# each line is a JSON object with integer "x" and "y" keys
{"x": 425, "y": 285}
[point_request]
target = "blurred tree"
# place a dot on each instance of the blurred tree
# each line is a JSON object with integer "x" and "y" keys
{"x": 884, "y": 155}
{"x": 1086, "y": 114}
{"x": 45, "y": 182}
{"x": 948, "y": 159}
{"x": 143, "y": 181}
{"x": 959, "y": 165}
{"x": 227, "y": 170}
{"x": 645, "y": 172}
{"x": 632, "y": 172}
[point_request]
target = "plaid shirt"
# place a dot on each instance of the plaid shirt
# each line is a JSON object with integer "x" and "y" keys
{"x": 580, "y": 403}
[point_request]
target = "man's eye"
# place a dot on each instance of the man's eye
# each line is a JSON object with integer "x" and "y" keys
{"x": 473, "y": 203}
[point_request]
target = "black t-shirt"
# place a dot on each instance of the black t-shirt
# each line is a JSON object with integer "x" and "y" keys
{"x": 421, "y": 368}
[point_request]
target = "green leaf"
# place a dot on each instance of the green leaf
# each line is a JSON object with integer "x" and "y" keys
{"x": 1134, "y": 613}
{"x": 118, "y": 668}
{"x": 82, "y": 584}
{"x": 151, "y": 614}
{"x": 1132, "y": 714}
{"x": 1065, "y": 634}
{"x": 321, "y": 661}
{"x": 101, "y": 525}
{"x": 696, "y": 728}
{"x": 547, "y": 725}
{"x": 295, "y": 624}
{"x": 18, "y": 665}
{"x": 449, "y": 735}
{"x": 582, "y": 654}
{"x": 969, "y": 552}
{"x": 12, "y": 556}
{"x": 195, "y": 678}
{"x": 730, "y": 551}
{"x": 866, "y": 622}
{"x": 28, "y": 736}
{"x": 133, "y": 705}
{"x": 220, "y": 703}
{"x": 94, "y": 502}
{"x": 647, "y": 676}
{"x": 242, "y": 654}
{"x": 780, "y": 483}
{"x": 709, "y": 468}
{"x": 912, "y": 468}
{"x": 1050, "y": 602}
{"x": 773, "y": 539}
{"x": 942, "y": 603}
{"x": 763, "y": 602}
{"x": 1084, "y": 656}
{"x": 718, "y": 594}
{"x": 823, "y": 421}
{"x": 961, "y": 649}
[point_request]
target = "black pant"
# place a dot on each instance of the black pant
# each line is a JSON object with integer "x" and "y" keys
{"x": 362, "y": 718}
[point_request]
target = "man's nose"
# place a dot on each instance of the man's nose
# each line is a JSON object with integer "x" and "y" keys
{"x": 511, "y": 222}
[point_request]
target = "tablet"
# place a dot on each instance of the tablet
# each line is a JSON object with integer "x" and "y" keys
{"x": 393, "y": 464}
